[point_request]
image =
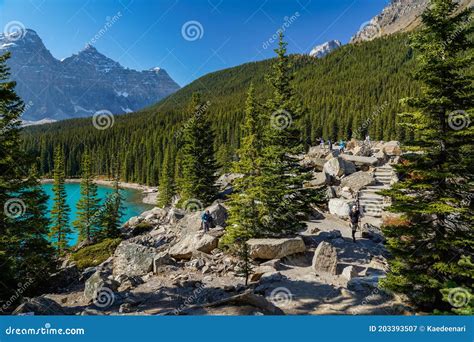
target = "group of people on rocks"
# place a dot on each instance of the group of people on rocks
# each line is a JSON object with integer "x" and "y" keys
{"x": 341, "y": 145}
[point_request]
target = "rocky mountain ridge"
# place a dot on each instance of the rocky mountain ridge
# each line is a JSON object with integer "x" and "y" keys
{"x": 322, "y": 50}
{"x": 397, "y": 16}
{"x": 79, "y": 85}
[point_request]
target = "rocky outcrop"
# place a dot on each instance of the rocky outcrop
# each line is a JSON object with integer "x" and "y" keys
{"x": 325, "y": 259}
{"x": 268, "y": 249}
{"x": 39, "y": 306}
{"x": 133, "y": 259}
{"x": 392, "y": 148}
{"x": 322, "y": 50}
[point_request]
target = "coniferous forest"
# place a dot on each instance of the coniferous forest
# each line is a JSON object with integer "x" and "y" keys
{"x": 353, "y": 90}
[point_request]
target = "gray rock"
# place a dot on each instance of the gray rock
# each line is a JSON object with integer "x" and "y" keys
{"x": 268, "y": 249}
{"x": 39, "y": 306}
{"x": 191, "y": 242}
{"x": 349, "y": 272}
{"x": 325, "y": 259}
{"x": 319, "y": 179}
{"x": 340, "y": 207}
{"x": 133, "y": 259}
{"x": 363, "y": 284}
{"x": 96, "y": 284}
{"x": 392, "y": 148}
{"x": 357, "y": 181}
{"x": 360, "y": 161}
{"x": 161, "y": 259}
{"x": 338, "y": 167}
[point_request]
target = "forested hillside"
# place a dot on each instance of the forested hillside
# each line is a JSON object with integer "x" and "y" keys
{"x": 355, "y": 88}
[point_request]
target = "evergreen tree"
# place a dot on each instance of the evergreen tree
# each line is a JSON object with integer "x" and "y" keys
{"x": 166, "y": 188}
{"x": 245, "y": 218}
{"x": 284, "y": 202}
{"x": 432, "y": 245}
{"x": 60, "y": 229}
{"x": 198, "y": 161}
{"x": 86, "y": 223}
{"x": 112, "y": 211}
{"x": 245, "y": 266}
{"x": 26, "y": 256}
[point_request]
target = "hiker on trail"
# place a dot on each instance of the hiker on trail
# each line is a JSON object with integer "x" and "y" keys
{"x": 329, "y": 145}
{"x": 206, "y": 219}
{"x": 321, "y": 143}
{"x": 342, "y": 145}
{"x": 367, "y": 140}
{"x": 354, "y": 216}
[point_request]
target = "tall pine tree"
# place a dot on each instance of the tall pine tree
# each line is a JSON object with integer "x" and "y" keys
{"x": 26, "y": 256}
{"x": 112, "y": 210}
{"x": 198, "y": 161}
{"x": 60, "y": 228}
{"x": 245, "y": 218}
{"x": 86, "y": 223}
{"x": 284, "y": 201}
{"x": 432, "y": 245}
{"x": 166, "y": 190}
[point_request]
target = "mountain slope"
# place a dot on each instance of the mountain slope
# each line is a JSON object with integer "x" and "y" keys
{"x": 355, "y": 87}
{"x": 397, "y": 16}
{"x": 79, "y": 85}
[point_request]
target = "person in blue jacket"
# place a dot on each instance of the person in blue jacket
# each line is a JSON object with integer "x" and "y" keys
{"x": 206, "y": 221}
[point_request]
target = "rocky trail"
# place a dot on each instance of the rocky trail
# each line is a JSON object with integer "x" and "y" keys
{"x": 167, "y": 265}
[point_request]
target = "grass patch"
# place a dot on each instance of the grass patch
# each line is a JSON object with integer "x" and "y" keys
{"x": 94, "y": 255}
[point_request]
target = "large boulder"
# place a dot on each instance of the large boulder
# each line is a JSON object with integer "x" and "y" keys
{"x": 154, "y": 214}
{"x": 218, "y": 213}
{"x": 192, "y": 242}
{"x": 313, "y": 163}
{"x": 340, "y": 207}
{"x": 357, "y": 181}
{"x": 362, "y": 150}
{"x": 325, "y": 259}
{"x": 359, "y": 160}
{"x": 319, "y": 179}
{"x": 191, "y": 222}
{"x": 392, "y": 148}
{"x": 99, "y": 284}
{"x": 268, "y": 249}
{"x": 133, "y": 259}
{"x": 338, "y": 167}
{"x": 39, "y": 306}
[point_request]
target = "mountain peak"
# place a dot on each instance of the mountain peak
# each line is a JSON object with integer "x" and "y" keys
{"x": 324, "y": 49}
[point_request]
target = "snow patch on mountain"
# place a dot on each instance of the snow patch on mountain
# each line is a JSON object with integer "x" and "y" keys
{"x": 322, "y": 50}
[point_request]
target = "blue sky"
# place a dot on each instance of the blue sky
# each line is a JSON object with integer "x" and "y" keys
{"x": 142, "y": 34}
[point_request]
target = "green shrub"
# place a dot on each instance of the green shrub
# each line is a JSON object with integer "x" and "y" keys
{"x": 94, "y": 255}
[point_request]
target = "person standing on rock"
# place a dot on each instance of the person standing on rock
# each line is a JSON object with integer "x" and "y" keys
{"x": 321, "y": 143}
{"x": 354, "y": 216}
{"x": 206, "y": 220}
{"x": 329, "y": 145}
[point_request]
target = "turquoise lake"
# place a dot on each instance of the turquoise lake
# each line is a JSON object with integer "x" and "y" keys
{"x": 132, "y": 205}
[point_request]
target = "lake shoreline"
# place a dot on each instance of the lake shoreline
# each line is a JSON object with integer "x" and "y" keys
{"x": 149, "y": 192}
